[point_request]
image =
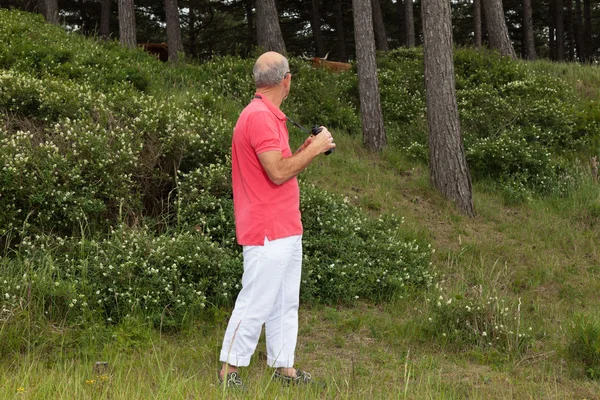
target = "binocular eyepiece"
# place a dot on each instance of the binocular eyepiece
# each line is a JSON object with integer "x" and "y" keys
{"x": 315, "y": 130}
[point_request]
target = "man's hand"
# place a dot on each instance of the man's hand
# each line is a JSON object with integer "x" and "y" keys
{"x": 280, "y": 169}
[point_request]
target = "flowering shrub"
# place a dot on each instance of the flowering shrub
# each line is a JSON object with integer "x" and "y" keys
{"x": 473, "y": 319}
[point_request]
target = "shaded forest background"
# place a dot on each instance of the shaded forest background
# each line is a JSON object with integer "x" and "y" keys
{"x": 562, "y": 29}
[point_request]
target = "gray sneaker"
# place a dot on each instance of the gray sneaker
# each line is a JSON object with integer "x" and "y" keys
{"x": 232, "y": 380}
{"x": 301, "y": 378}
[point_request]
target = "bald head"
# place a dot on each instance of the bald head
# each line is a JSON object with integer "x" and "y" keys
{"x": 269, "y": 69}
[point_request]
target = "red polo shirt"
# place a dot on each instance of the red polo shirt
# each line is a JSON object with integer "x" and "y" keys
{"x": 262, "y": 208}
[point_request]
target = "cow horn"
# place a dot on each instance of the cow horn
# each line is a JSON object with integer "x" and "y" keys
{"x": 305, "y": 57}
{"x": 326, "y": 55}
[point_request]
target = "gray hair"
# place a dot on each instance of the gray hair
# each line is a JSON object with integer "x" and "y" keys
{"x": 270, "y": 74}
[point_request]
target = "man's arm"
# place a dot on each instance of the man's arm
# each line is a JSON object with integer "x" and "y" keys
{"x": 280, "y": 169}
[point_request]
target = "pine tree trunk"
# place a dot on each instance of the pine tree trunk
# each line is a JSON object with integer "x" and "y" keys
{"x": 528, "y": 30}
{"x": 379, "y": 27}
{"x": 173, "y": 30}
{"x": 191, "y": 29}
{"x": 448, "y": 168}
{"x": 339, "y": 29}
{"x": 551, "y": 31}
{"x": 570, "y": 31}
{"x": 315, "y": 25}
{"x": 477, "y": 21}
{"x": 51, "y": 9}
{"x": 497, "y": 30}
{"x": 402, "y": 25}
{"x": 373, "y": 129}
{"x": 41, "y": 7}
{"x": 251, "y": 35}
{"x": 127, "y": 34}
{"x": 268, "y": 32}
{"x": 105, "y": 12}
{"x": 409, "y": 26}
{"x": 560, "y": 31}
{"x": 579, "y": 35}
{"x": 587, "y": 28}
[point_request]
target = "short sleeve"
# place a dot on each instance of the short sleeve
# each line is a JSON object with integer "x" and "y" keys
{"x": 263, "y": 129}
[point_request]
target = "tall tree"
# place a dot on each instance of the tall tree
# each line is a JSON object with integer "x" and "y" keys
{"x": 579, "y": 33}
{"x": 496, "y": 28}
{"x": 339, "y": 29}
{"x": 105, "y": 12}
{"x": 448, "y": 168}
{"x": 51, "y": 11}
{"x": 587, "y": 27}
{"x": 373, "y": 128}
{"x": 528, "y": 30}
{"x": 570, "y": 30}
{"x": 315, "y": 24}
{"x": 127, "y": 33}
{"x": 381, "y": 42}
{"x": 402, "y": 23}
{"x": 173, "y": 30}
{"x": 251, "y": 35}
{"x": 268, "y": 32}
{"x": 559, "y": 17}
{"x": 409, "y": 23}
{"x": 477, "y": 37}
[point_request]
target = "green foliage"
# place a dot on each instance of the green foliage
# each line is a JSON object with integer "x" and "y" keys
{"x": 474, "y": 320}
{"x": 584, "y": 344}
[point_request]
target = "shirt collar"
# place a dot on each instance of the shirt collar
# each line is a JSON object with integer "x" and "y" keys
{"x": 272, "y": 107}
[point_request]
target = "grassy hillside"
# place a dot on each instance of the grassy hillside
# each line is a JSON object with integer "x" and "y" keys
{"x": 117, "y": 229}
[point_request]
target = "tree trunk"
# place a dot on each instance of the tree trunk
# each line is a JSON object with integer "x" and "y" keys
{"x": 579, "y": 36}
{"x": 379, "y": 27}
{"x": 477, "y": 21}
{"x": 127, "y": 34}
{"x": 105, "y": 11}
{"x": 560, "y": 31}
{"x": 339, "y": 29}
{"x": 268, "y": 32}
{"x": 373, "y": 128}
{"x": 51, "y": 9}
{"x": 551, "y": 31}
{"x": 402, "y": 25}
{"x": 570, "y": 31}
{"x": 409, "y": 26}
{"x": 251, "y": 35}
{"x": 587, "y": 28}
{"x": 173, "y": 30}
{"x": 448, "y": 168}
{"x": 528, "y": 30}
{"x": 193, "y": 37}
{"x": 315, "y": 25}
{"x": 497, "y": 30}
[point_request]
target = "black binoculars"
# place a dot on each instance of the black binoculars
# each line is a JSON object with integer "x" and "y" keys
{"x": 315, "y": 131}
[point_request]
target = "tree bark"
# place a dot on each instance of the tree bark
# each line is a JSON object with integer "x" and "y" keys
{"x": 381, "y": 42}
{"x": 570, "y": 31}
{"x": 315, "y": 24}
{"x": 268, "y": 32}
{"x": 528, "y": 30}
{"x": 339, "y": 29}
{"x": 192, "y": 33}
{"x": 127, "y": 34}
{"x": 409, "y": 26}
{"x": 587, "y": 28}
{"x": 402, "y": 26}
{"x": 448, "y": 168}
{"x": 579, "y": 35}
{"x": 374, "y": 137}
{"x": 105, "y": 11}
{"x": 477, "y": 21}
{"x": 51, "y": 11}
{"x": 173, "y": 30}
{"x": 497, "y": 30}
{"x": 560, "y": 30}
{"x": 251, "y": 35}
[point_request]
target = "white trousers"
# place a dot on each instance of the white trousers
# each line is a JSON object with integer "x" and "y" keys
{"x": 270, "y": 295}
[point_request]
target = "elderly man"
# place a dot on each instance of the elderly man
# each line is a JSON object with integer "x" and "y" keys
{"x": 266, "y": 200}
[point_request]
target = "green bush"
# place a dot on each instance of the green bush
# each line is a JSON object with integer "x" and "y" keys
{"x": 584, "y": 344}
{"x": 474, "y": 320}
